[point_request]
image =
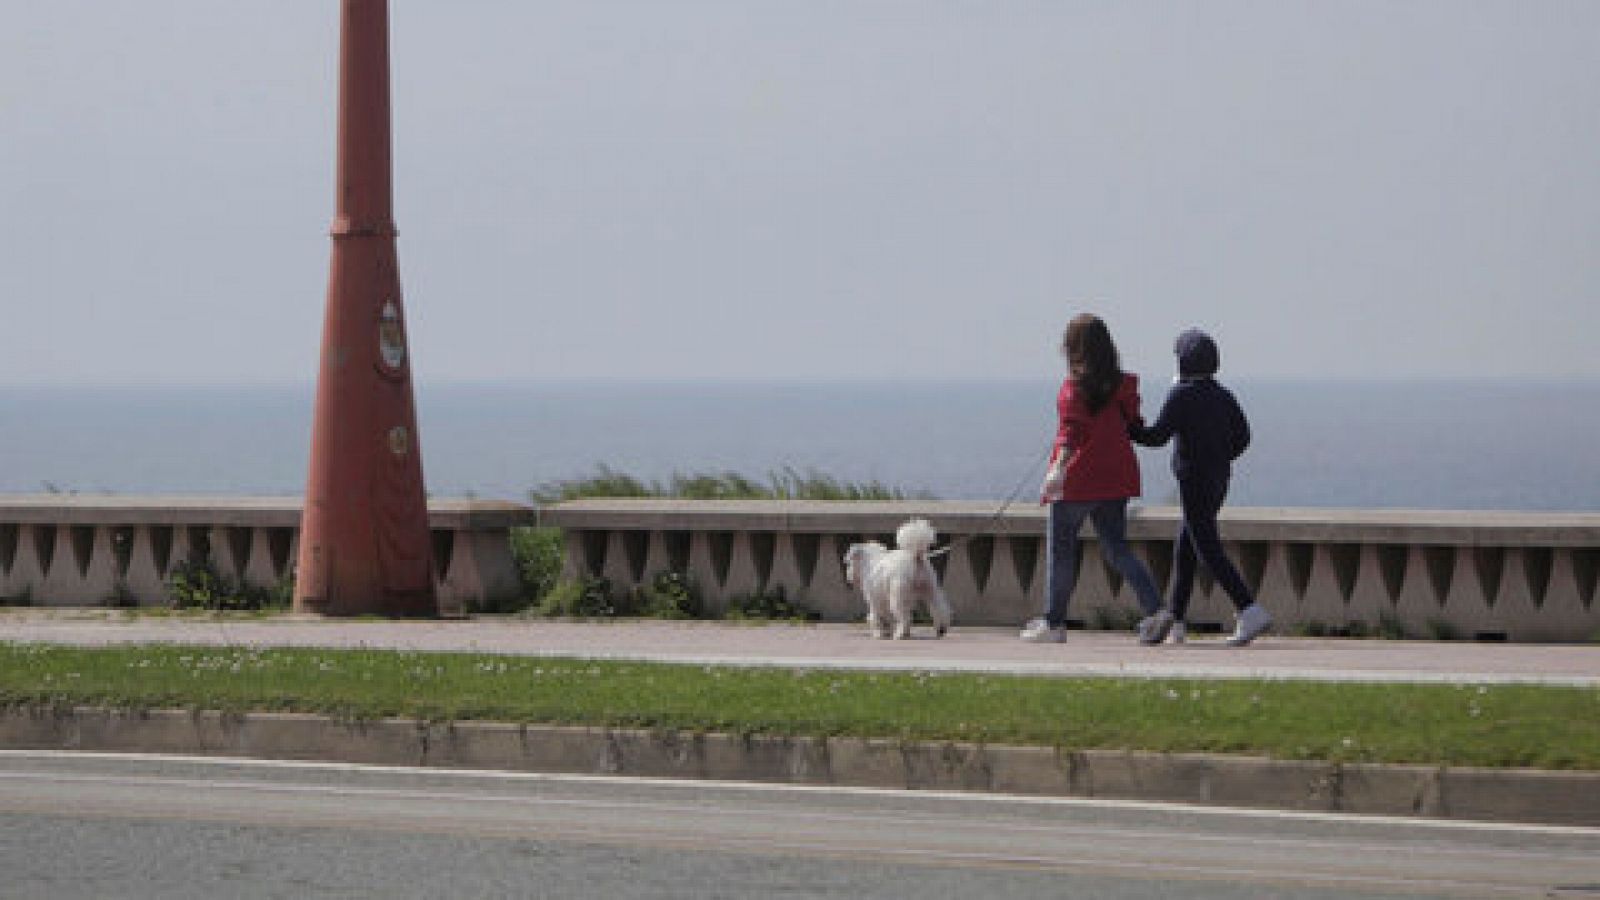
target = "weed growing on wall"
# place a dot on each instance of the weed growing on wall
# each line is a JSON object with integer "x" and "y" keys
{"x": 669, "y": 595}
{"x": 772, "y": 603}
{"x": 587, "y": 598}
{"x": 538, "y": 555}
{"x": 196, "y": 584}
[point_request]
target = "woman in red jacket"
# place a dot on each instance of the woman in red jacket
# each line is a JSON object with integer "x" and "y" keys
{"x": 1092, "y": 474}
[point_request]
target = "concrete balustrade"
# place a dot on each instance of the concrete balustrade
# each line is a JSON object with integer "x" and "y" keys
{"x": 1485, "y": 575}
{"x": 72, "y": 550}
{"x": 1488, "y": 575}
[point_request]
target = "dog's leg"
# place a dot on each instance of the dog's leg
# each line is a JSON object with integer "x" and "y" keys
{"x": 877, "y": 610}
{"x": 876, "y": 625}
{"x": 940, "y": 611}
{"x": 931, "y": 595}
{"x": 900, "y": 606}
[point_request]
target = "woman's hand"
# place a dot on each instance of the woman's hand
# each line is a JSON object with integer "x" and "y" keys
{"x": 1055, "y": 482}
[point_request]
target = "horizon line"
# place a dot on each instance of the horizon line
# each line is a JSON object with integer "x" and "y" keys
{"x": 798, "y": 380}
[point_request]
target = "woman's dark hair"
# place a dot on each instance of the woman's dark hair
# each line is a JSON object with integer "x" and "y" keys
{"x": 1092, "y": 360}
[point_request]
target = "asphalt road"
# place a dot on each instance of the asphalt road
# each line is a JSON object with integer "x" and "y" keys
{"x": 75, "y": 825}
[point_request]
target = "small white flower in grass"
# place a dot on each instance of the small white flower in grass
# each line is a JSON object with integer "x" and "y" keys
{"x": 1172, "y": 694}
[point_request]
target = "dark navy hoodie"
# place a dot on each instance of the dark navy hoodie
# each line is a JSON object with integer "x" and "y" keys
{"x": 1203, "y": 416}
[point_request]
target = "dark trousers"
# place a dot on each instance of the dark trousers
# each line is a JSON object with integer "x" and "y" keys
{"x": 1198, "y": 538}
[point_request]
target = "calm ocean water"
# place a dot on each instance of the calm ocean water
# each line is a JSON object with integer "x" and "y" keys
{"x": 1440, "y": 445}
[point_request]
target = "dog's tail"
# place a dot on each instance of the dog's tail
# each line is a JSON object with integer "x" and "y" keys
{"x": 917, "y": 535}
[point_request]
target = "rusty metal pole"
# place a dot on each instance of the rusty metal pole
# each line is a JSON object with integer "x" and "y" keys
{"x": 365, "y": 547}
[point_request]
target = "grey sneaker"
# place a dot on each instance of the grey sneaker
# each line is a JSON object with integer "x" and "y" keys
{"x": 1153, "y": 628}
{"x": 1178, "y": 634}
{"x": 1253, "y": 620}
{"x": 1038, "y": 631}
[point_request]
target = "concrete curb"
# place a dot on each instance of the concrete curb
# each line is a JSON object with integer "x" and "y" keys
{"x": 1505, "y": 795}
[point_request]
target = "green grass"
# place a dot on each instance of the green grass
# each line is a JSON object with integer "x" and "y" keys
{"x": 787, "y": 484}
{"x": 1544, "y": 727}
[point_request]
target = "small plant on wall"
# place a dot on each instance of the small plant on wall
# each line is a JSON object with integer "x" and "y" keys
{"x": 196, "y": 584}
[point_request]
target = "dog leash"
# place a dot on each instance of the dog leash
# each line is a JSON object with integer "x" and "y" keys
{"x": 1026, "y": 476}
{"x": 1029, "y": 474}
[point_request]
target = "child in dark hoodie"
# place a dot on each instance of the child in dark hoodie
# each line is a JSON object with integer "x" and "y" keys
{"x": 1211, "y": 432}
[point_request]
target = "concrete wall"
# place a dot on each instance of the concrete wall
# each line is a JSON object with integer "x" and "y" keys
{"x": 1517, "y": 576}
{"x": 1486, "y": 575}
{"x": 70, "y": 550}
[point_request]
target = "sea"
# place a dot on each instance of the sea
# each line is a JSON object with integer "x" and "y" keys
{"x": 1511, "y": 445}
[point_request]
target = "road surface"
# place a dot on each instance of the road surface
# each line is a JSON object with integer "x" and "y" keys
{"x": 77, "y": 825}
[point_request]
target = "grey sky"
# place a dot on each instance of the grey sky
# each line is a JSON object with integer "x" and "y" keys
{"x": 813, "y": 189}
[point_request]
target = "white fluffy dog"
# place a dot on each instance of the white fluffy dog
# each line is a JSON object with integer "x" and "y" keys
{"x": 894, "y": 581}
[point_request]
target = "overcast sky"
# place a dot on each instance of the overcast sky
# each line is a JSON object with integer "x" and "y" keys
{"x": 804, "y": 189}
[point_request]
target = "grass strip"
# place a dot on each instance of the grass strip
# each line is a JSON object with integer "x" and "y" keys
{"x": 1469, "y": 725}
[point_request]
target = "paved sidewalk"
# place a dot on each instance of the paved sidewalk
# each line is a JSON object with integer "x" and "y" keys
{"x": 849, "y": 646}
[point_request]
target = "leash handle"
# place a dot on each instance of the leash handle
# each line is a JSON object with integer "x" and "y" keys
{"x": 1028, "y": 475}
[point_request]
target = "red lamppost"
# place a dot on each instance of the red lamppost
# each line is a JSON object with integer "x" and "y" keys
{"x": 364, "y": 540}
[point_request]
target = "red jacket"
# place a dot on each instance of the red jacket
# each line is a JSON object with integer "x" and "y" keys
{"x": 1100, "y": 461}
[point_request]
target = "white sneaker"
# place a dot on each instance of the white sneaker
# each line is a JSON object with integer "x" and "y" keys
{"x": 1154, "y": 627}
{"x": 1038, "y": 631}
{"x": 1178, "y": 634}
{"x": 1253, "y": 620}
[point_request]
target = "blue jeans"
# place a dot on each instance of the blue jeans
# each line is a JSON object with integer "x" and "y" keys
{"x": 1110, "y": 519}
